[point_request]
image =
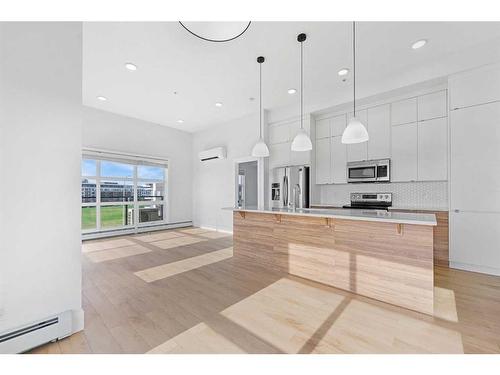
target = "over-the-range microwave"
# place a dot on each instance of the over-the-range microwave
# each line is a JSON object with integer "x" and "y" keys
{"x": 369, "y": 171}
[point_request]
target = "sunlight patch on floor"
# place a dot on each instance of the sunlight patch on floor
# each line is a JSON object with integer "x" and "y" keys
{"x": 197, "y": 340}
{"x": 444, "y": 304}
{"x": 88, "y": 247}
{"x": 170, "y": 269}
{"x": 176, "y": 242}
{"x": 158, "y": 236}
{"x": 119, "y": 252}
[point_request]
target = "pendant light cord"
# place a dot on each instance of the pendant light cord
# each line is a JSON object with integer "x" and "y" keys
{"x": 354, "y": 62}
{"x": 260, "y": 100}
{"x": 301, "y": 85}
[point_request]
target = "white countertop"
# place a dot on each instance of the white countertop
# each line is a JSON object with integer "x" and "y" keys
{"x": 349, "y": 214}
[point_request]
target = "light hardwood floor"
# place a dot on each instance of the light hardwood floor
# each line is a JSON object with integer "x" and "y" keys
{"x": 181, "y": 291}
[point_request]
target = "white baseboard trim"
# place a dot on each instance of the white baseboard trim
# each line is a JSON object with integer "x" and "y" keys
{"x": 475, "y": 268}
{"x": 92, "y": 236}
{"x": 78, "y": 320}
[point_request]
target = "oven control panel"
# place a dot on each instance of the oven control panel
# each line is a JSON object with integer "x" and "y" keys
{"x": 371, "y": 197}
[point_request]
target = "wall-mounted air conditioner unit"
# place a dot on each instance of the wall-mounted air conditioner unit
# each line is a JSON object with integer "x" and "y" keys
{"x": 213, "y": 154}
{"x": 30, "y": 336}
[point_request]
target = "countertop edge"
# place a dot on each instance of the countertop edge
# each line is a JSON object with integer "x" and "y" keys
{"x": 337, "y": 216}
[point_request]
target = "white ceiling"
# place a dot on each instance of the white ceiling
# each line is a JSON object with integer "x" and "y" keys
{"x": 169, "y": 60}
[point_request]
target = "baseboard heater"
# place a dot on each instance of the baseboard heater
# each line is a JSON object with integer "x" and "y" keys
{"x": 30, "y": 336}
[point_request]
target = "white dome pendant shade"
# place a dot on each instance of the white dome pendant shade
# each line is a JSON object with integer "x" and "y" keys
{"x": 260, "y": 149}
{"x": 355, "y": 132}
{"x": 302, "y": 142}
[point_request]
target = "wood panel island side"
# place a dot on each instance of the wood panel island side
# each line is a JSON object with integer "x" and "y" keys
{"x": 382, "y": 255}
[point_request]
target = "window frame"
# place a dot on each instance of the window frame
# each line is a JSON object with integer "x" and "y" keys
{"x": 135, "y": 161}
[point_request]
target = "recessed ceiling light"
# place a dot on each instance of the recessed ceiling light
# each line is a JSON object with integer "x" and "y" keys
{"x": 343, "y": 72}
{"x": 291, "y": 91}
{"x": 218, "y": 104}
{"x": 102, "y": 98}
{"x": 251, "y": 99}
{"x": 180, "y": 121}
{"x": 131, "y": 66}
{"x": 419, "y": 44}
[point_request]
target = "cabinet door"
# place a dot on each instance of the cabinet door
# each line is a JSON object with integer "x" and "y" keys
{"x": 358, "y": 151}
{"x": 339, "y": 160}
{"x": 338, "y": 125}
{"x": 475, "y": 158}
{"x": 404, "y": 111}
{"x": 474, "y": 239}
{"x": 379, "y": 131}
{"x": 433, "y": 150}
{"x": 279, "y": 155}
{"x": 432, "y": 105}
{"x": 478, "y": 86}
{"x": 279, "y": 134}
{"x": 404, "y": 152}
{"x": 323, "y": 161}
{"x": 323, "y": 128}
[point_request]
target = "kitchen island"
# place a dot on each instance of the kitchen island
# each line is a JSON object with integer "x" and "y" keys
{"x": 383, "y": 255}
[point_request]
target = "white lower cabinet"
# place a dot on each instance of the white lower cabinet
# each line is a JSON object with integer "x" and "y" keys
{"x": 323, "y": 175}
{"x": 474, "y": 239}
{"x": 404, "y": 152}
{"x": 433, "y": 150}
{"x": 338, "y": 163}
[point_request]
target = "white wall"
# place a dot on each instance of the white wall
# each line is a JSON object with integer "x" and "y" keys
{"x": 108, "y": 131}
{"x": 214, "y": 181}
{"x": 40, "y": 143}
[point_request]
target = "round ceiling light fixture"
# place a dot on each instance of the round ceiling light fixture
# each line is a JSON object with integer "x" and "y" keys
{"x": 291, "y": 91}
{"x": 419, "y": 44}
{"x": 102, "y": 98}
{"x": 180, "y": 121}
{"x": 218, "y": 104}
{"x": 131, "y": 67}
{"x": 343, "y": 72}
{"x": 216, "y": 31}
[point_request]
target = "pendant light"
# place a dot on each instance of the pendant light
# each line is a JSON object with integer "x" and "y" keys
{"x": 355, "y": 132}
{"x": 260, "y": 150}
{"x": 301, "y": 142}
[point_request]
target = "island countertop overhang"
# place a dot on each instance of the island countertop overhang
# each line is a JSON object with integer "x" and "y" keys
{"x": 348, "y": 214}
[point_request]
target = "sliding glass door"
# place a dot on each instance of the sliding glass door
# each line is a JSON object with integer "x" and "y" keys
{"x": 120, "y": 193}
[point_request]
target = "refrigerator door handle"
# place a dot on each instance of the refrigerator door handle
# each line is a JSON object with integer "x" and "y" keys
{"x": 285, "y": 191}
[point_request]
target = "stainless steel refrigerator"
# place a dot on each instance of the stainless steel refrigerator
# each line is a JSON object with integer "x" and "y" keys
{"x": 290, "y": 187}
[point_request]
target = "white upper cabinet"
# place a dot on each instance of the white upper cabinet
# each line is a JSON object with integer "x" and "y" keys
{"x": 323, "y": 128}
{"x": 279, "y": 155}
{"x": 279, "y": 134}
{"x": 475, "y": 158}
{"x": 404, "y": 152}
{"x": 358, "y": 151}
{"x": 339, "y": 160}
{"x": 338, "y": 124}
{"x": 477, "y": 86}
{"x": 433, "y": 150}
{"x": 379, "y": 131}
{"x": 404, "y": 111}
{"x": 432, "y": 106}
{"x": 323, "y": 167}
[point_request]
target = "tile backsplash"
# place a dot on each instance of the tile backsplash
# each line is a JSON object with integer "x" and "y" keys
{"x": 411, "y": 195}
